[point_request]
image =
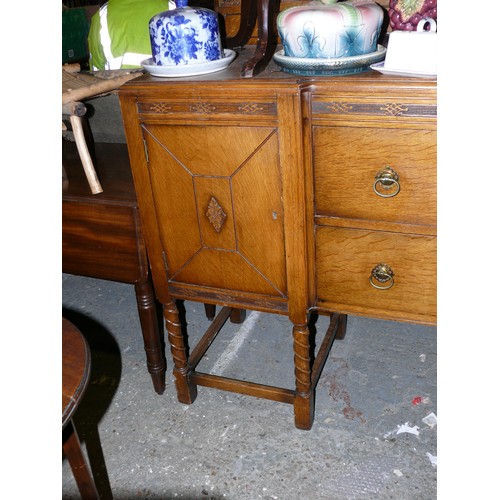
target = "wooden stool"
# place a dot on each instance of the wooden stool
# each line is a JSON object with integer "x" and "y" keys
{"x": 75, "y": 378}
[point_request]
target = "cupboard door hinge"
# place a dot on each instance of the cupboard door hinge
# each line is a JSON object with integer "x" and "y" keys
{"x": 146, "y": 150}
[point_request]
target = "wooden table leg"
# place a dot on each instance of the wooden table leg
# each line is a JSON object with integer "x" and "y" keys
{"x": 186, "y": 389}
{"x": 155, "y": 358}
{"x": 304, "y": 392}
{"x": 210, "y": 311}
{"x": 248, "y": 18}
{"x": 238, "y": 316}
{"x": 266, "y": 43}
{"x": 73, "y": 451}
{"x": 342, "y": 328}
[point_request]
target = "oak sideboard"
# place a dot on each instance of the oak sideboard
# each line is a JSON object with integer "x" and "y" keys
{"x": 285, "y": 194}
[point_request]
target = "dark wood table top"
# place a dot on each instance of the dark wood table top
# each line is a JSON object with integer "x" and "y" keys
{"x": 75, "y": 369}
{"x": 113, "y": 169}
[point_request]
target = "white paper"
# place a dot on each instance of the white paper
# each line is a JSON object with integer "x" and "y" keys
{"x": 410, "y": 430}
{"x": 430, "y": 420}
{"x": 433, "y": 459}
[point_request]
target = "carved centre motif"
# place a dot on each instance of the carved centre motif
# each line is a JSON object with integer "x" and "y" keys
{"x": 394, "y": 109}
{"x": 250, "y": 108}
{"x": 340, "y": 107}
{"x": 156, "y": 107}
{"x": 202, "y": 107}
{"x": 215, "y": 214}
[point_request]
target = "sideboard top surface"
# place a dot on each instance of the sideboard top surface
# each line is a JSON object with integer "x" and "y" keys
{"x": 273, "y": 77}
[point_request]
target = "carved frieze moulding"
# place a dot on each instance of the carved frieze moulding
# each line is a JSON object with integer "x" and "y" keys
{"x": 208, "y": 107}
{"x": 384, "y": 109}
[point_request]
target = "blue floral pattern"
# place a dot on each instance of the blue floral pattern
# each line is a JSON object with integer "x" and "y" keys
{"x": 183, "y": 35}
{"x": 208, "y": 22}
{"x": 180, "y": 40}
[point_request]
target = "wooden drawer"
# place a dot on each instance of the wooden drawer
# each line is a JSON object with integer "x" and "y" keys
{"x": 347, "y": 159}
{"x": 344, "y": 262}
{"x": 103, "y": 241}
{"x": 101, "y": 234}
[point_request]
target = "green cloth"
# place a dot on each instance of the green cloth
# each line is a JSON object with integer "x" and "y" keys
{"x": 128, "y": 24}
{"x": 128, "y": 27}
{"x": 98, "y": 59}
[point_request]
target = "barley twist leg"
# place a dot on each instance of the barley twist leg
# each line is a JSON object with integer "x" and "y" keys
{"x": 304, "y": 395}
{"x": 186, "y": 390}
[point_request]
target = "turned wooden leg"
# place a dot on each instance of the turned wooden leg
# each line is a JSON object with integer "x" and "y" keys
{"x": 186, "y": 390}
{"x": 146, "y": 305}
{"x": 304, "y": 393}
{"x": 81, "y": 472}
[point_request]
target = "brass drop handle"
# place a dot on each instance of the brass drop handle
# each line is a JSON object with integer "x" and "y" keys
{"x": 383, "y": 274}
{"x": 387, "y": 179}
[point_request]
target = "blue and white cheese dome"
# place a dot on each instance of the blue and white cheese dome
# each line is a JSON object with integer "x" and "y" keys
{"x": 185, "y": 36}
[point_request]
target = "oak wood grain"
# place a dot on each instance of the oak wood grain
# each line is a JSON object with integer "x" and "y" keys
{"x": 347, "y": 160}
{"x": 291, "y": 163}
{"x": 346, "y": 257}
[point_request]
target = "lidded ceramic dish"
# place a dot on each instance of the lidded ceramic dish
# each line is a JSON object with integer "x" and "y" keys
{"x": 185, "y": 36}
{"x": 334, "y": 30}
{"x": 413, "y": 50}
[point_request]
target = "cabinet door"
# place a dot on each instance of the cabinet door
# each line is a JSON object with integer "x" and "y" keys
{"x": 217, "y": 194}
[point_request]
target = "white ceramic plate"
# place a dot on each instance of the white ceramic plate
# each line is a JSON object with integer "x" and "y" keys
{"x": 330, "y": 66}
{"x": 400, "y": 72}
{"x": 189, "y": 69}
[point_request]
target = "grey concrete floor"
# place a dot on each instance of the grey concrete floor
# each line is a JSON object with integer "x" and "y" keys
{"x": 372, "y": 437}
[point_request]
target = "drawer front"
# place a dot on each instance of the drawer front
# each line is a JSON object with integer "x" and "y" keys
{"x": 103, "y": 241}
{"x": 345, "y": 259}
{"x": 352, "y": 179}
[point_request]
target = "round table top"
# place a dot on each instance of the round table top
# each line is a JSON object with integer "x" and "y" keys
{"x": 75, "y": 369}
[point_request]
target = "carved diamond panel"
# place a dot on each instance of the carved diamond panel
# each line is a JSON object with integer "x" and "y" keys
{"x": 215, "y": 214}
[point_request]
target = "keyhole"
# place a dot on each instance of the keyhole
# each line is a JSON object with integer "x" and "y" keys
{"x": 275, "y": 215}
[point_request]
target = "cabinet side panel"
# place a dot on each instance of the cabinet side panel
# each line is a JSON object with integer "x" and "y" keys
{"x": 138, "y": 163}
